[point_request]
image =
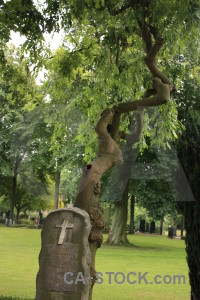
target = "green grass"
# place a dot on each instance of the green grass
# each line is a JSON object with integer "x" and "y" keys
{"x": 19, "y": 249}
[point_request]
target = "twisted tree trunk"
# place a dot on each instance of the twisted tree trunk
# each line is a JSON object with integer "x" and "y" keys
{"x": 109, "y": 152}
{"x": 88, "y": 195}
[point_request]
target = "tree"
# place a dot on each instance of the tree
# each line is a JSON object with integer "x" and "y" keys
{"x": 188, "y": 153}
{"x": 31, "y": 193}
{"x": 154, "y": 191}
{"x": 109, "y": 153}
{"x": 119, "y": 194}
{"x": 63, "y": 120}
{"x": 17, "y": 88}
{"x": 22, "y": 131}
{"x": 112, "y": 27}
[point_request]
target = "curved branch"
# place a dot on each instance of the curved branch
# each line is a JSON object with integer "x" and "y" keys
{"x": 134, "y": 137}
{"x": 109, "y": 154}
{"x": 152, "y": 51}
{"x": 161, "y": 97}
{"x": 150, "y": 61}
{"x": 146, "y": 36}
{"x": 115, "y": 133}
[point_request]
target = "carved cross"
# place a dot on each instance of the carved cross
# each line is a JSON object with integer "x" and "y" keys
{"x": 65, "y": 225}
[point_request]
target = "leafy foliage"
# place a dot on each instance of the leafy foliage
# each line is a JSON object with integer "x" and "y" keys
{"x": 21, "y": 150}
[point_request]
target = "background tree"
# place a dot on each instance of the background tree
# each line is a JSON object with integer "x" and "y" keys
{"x": 188, "y": 153}
{"x": 154, "y": 191}
{"x": 63, "y": 119}
{"x": 23, "y": 139}
{"x": 119, "y": 192}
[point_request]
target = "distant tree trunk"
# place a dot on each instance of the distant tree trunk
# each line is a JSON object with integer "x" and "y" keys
{"x": 57, "y": 186}
{"x": 18, "y": 212}
{"x": 14, "y": 188}
{"x": 40, "y": 217}
{"x": 161, "y": 224}
{"x": 19, "y": 207}
{"x": 13, "y": 197}
{"x": 132, "y": 215}
{"x": 25, "y": 214}
{"x": 182, "y": 229}
{"x": 117, "y": 234}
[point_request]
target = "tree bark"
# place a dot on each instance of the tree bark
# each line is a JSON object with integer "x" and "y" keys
{"x": 132, "y": 215}
{"x": 192, "y": 226}
{"x": 40, "y": 217}
{"x": 117, "y": 234}
{"x": 87, "y": 198}
{"x": 182, "y": 229}
{"x": 57, "y": 186}
{"x": 18, "y": 212}
{"x": 14, "y": 188}
{"x": 161, "y": 224}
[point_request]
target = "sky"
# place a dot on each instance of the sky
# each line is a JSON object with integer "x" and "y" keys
{"x": 54, "y": 41}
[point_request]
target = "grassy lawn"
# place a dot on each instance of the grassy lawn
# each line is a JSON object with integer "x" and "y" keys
{"x": 19, "y": 249}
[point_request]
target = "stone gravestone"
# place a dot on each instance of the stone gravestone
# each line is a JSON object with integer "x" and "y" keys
{"x": 170, "y": 232}
{"x": 174, "y": 230}
{"x": 65, "y": 257}
{"x": 142, "y": 226}
{"x": 152, "y": 227}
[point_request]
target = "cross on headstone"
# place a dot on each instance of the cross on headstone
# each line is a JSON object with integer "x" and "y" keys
{"x": 65, "y": 225}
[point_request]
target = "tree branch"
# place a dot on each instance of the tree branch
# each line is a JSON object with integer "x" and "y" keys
{"x": 150, "y": 61}
{"x": 146, "y": 35}
{"x": 134, "y": 137}
{"x": 115, "y": 134}
{"x": 152, "y": 51}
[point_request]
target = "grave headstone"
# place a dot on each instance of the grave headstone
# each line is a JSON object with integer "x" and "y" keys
{"x": 152, "y": 227}
{"x": 142, "y": 226}
{"x": 170, "y": 232}
{"x": 65, "y": 257}
{"x": 174, "y": 230}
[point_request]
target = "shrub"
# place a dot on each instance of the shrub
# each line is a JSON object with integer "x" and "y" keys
{"x": 26, "y": 222}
